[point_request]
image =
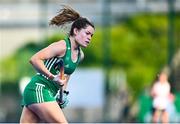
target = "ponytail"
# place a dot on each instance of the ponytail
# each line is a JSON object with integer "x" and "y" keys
{"x": 65, "y": 15}
{"x": 68, "y": 15}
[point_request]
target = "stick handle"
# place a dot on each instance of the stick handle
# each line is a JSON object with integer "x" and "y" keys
{"x": 62, "y": 72}
{"x": 61, "y": 77}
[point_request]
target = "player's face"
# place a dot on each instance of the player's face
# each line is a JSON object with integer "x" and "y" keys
{"x": 83, "y": 36}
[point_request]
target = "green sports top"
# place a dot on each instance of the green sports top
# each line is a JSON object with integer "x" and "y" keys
{"x": 69, "y": 65}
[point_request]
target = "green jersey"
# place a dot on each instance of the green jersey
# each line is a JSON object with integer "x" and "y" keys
{"x": 69, "y": 65}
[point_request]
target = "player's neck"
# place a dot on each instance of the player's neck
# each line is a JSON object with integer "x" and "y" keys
{"x": 74, "y": 45}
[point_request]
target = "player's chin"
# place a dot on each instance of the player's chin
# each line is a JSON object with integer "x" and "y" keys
{"x": 84, "y": 45}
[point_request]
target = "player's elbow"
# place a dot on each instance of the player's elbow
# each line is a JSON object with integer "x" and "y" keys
{"x": 32, "y": 60}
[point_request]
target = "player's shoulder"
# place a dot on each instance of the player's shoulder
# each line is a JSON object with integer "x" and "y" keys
{"x": 60, "y": 43}
{"x": 81, "y": 54}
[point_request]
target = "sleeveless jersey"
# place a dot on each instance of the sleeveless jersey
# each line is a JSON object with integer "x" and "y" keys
{"x": 53, "y": 67}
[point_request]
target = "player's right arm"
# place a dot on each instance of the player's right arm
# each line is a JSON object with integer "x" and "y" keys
{"x": 37, "y": 60}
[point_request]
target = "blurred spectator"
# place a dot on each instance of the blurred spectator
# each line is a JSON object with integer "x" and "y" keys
{"x": 161, "y": 99}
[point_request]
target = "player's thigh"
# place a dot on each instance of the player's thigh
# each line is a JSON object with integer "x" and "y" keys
{"x": 49, "y": 112}
{"x": 28, "y": 116}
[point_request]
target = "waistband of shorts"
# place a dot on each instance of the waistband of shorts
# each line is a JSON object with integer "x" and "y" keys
{"x": 51, "y": 84}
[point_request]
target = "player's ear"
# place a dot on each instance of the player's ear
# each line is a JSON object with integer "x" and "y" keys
{"x": 76, "y": 31}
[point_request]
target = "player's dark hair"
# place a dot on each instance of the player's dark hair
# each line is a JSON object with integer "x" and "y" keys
{"x": 68, "y": 15}
{"x": 79, "y": 24}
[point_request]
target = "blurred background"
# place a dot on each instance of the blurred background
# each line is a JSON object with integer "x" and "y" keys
{"x": 133, "y": 42}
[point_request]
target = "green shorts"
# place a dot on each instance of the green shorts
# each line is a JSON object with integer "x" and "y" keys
{"x": 38, "y": 91}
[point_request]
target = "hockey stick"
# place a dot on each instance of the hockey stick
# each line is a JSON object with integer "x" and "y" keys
{"x": 60, "y": 65}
